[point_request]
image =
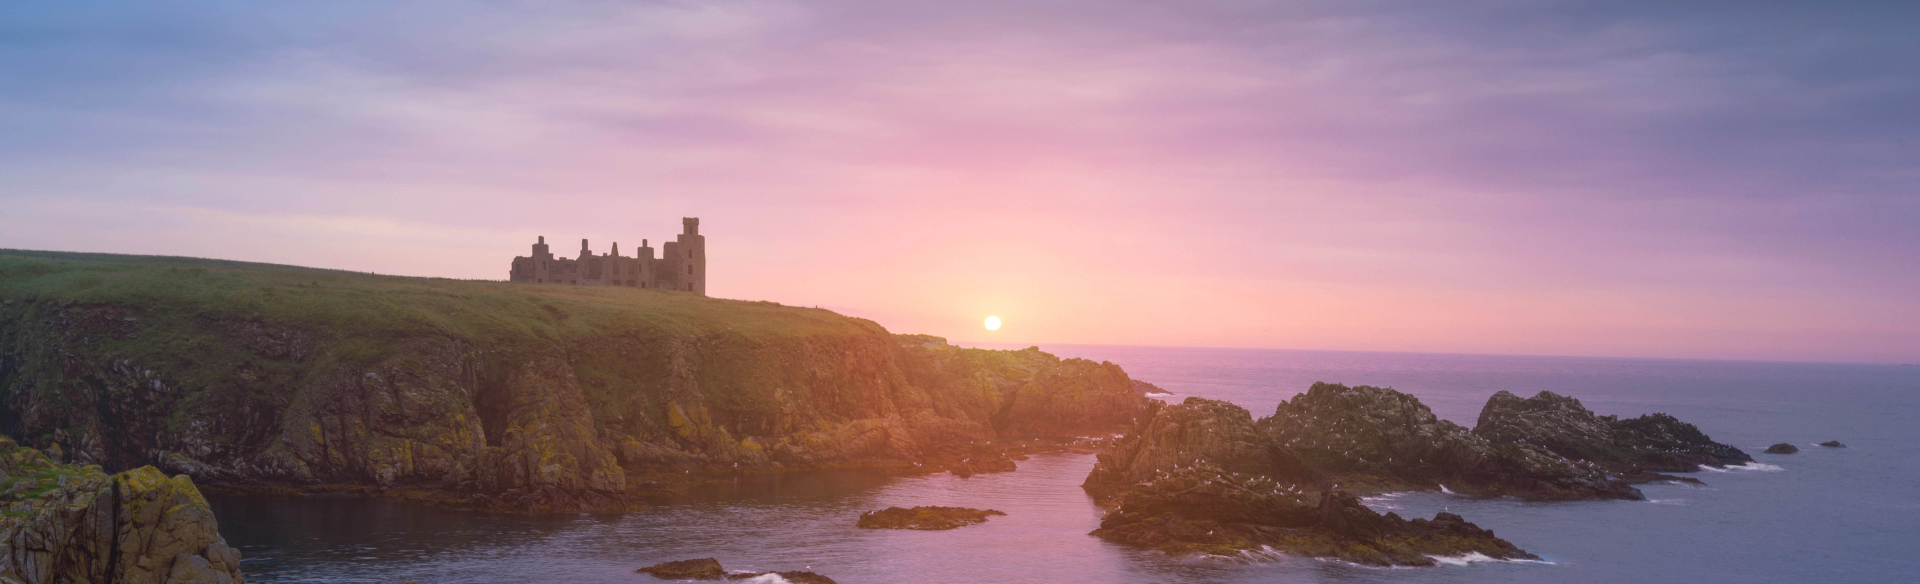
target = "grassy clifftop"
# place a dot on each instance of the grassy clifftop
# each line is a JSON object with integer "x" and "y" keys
{"x": 247, "y": 372}
{"x": 377, "y": 310}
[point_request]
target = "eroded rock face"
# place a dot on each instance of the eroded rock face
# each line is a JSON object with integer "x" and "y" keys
{"x": 1204, "y": 509}
{"x": 71, "y": 523}
{"x": 1194, "y": 431}
{"x": 572, "y": 417}
{"x": 1379, "y": 438}
{"x": 1649, "y": 443}
{"x": 928, "y": 518}
{"x": 1204, "y": 476}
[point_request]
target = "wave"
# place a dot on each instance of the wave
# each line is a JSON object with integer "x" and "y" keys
{"x": 1478, "y": 558}
{"x": 1668, "y": 501}
{"x": 1443, "y": 489}
{"x": 1751, "y": 466}
{"x": 1383, "y": 501}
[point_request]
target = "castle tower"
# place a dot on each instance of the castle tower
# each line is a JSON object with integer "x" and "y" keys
{"x": 693, "y": 246}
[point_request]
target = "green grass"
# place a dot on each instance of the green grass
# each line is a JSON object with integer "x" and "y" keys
{"x": 188, "y": 308}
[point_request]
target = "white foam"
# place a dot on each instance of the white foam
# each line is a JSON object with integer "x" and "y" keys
{"x": 1443, "y": 489}
{"x": 1478, "y": 558}
{"x": 1382, "y": 501}
{"x": 767, "y": 578}
{"x": 1751, "y": 466}
{"x": 1667, "y": 501}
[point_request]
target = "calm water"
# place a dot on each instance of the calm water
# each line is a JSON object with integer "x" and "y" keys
{"x": 1824, "y": 515}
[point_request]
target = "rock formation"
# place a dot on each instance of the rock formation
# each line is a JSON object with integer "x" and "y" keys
{"x": 1203, "y": 508}
{"x": 1204, "y": 476}
{"x": 709, "y": 569}
{"x": 930, "y": 518}
{"x": 71, "y": 523}
{"x": 521, "y": 398}
{"x": 1380, "y": 439}
{"x": 700, "y": 569}
{"x": 1783, "y": 448}
{"x": 1833, "y": 444}
{"x": 1633, "y": 447}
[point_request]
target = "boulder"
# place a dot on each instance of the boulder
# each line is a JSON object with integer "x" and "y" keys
{"x": 709, "y": 569}
{"x": 1782, "y": 448}
{"x": 924, "y": 518}
{"x": 700, "y": 569}
{"x": 1833, "y": 444}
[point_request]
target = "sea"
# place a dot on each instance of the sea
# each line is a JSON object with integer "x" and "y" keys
{"x": 1822, "y": 515}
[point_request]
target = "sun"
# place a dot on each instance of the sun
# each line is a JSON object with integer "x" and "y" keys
{"x": 993, "y": 323}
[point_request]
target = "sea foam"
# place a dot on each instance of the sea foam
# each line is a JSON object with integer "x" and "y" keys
{"x": 1751, "y": 466}
{"x": 1477, "y": 558}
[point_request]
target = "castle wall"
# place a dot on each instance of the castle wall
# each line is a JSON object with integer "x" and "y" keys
{"x": 681, "y": 267}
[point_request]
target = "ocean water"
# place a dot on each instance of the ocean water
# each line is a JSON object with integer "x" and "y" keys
{"x": 1823, "y": 515}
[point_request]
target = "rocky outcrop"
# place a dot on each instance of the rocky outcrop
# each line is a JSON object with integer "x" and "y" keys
{"x": 1783, "y": 448}
{"x": 515, "y": 398}
{"x": 1144, "y": 388}
{"x": 71, "y": 523}
{"x": 1192, "y": 432}
{"x": 929, "y": 518}
{"x": 1833, "y": 444}
{"x": 700, "y": 569}
{"x": 709, "y": 569}
{"x": 1205, "y": 509}
{"x": 1649, "y": 443}
{"x": 1204, "y": 476}
{"x": 1380, "y": 439}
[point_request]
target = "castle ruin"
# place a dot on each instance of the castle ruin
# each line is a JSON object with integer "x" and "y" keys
{"x": 681, "y": 266}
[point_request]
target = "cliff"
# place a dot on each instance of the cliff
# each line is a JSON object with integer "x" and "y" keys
{"x": 71, "y": 523}
{"x": 492, "y": 394}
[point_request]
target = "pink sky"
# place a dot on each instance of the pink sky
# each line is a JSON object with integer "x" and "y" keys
{"x": 1628, "y": 180}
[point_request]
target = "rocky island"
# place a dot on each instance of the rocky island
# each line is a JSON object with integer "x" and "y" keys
{"x": 1204, "y": 476}
{"x": 931, "y": 518}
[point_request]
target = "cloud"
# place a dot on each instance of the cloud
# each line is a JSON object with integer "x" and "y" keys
{"x": 1633, "y": 159}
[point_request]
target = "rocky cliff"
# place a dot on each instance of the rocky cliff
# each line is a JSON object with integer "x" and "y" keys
{"x": 71, "y": 523}
{"x": 511, "y": 396}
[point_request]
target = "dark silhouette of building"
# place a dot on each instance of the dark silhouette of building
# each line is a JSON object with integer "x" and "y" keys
{"x": 681, "y": 266}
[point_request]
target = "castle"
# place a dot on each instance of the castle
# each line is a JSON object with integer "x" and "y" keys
{"x": 682, "y": 265}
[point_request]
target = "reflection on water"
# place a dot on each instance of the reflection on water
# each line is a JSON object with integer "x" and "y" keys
{"x": 1825, "y": 515}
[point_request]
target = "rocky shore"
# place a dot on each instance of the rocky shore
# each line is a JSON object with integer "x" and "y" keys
{"x": 1204, "y": 476}
{"x": 74, "y": 523}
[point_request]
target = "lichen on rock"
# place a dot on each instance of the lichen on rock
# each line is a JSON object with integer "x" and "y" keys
{"x": 927, "y": 518}
{"x": 74, "y": 523}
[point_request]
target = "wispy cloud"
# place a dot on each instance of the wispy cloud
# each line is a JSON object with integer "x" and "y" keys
{"x": 1465, "y": 176}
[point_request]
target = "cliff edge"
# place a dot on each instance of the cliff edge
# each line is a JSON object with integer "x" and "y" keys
{"x": 492, "y": 394}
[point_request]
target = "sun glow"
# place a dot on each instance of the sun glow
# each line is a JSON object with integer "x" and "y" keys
{"x": 993, "y": 323}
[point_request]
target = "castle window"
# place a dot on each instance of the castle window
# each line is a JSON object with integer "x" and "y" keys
{"x": 689, "y": 268}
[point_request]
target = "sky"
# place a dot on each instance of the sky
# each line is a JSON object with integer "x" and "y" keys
{"x": 1722, "y": 180}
